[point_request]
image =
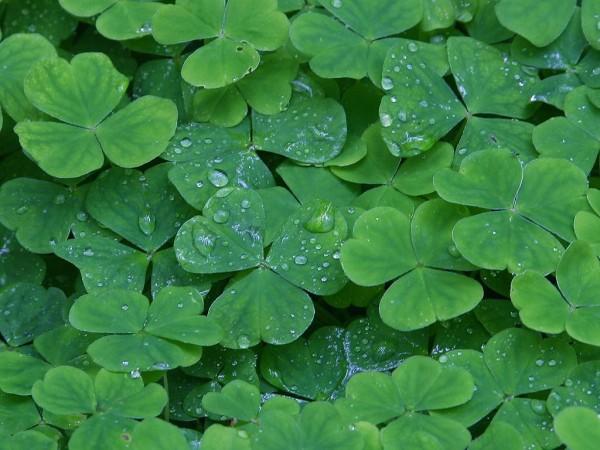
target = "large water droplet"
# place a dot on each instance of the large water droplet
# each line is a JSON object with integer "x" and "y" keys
{"x": 243, "y": 341}
{"x": 322, "y": 219}
{"x": 387, "y": 83}
{"x": 185, "y": 142}
{"x": 204, "y": 240}
{"x": 221, "y": 216}
{"x": 218, "y": 178}
{"x": 147, "y": 224}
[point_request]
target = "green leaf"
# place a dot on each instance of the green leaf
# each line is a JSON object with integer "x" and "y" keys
{"x": 318, "y": 427}
{"x": 142, "y": 207}
{"x": 127, "y": 20}
{"x": 16, "y": 263}
{"x": 506, "y": 84}
{"x": 28, "y": 440}
{"x": 435, "y": 294}
{"x": 522, "y": 362}
{"x": 174, "y": 315}
{"x": 42, "y": 213}
{"x": 18, "y": 54}
{"x": 425, "y": 432}
{"x": 580, "y": 389}
{"x": 218, "y": 437}
{"x": 576, "y": 309}
{"x": 101, "y": 430}
{"x": 444, "y": 387}
{"x": 589, "y": 23}
{"x": 261, "y": 305}
{"x": 19, "y": 372}
{"x": 428, "y": 108}
{"x": 500, "y": 436}
{"x": 227, "y": 237}
{"x": 238, "y": 399}
{"x": 86, "y": 8}
{"x": 578, "y": 428}
{"x": 141, "y": 352}
{"x": 311, "y": 238}
{"x": 65, "y": 390}
{"x": 311, "y": 368}
{"x": 167, "y": 272}
{"x": 156, "y": 434}
{"x": 525, "y": 18}
{"x": 29, "y": 310}
{"x": 105, "y": 263}
{"x": 125, "y": 396}
{"x": 109, "y": 311}
{"x": 17, "y": 414}
{"x": 317, "y": 138}
{"x": 139, "y": 132}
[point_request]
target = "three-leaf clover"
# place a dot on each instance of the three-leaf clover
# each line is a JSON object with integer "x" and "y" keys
{"x": 526, "y": 210}
{"x": 238, "y": 33}
{"x": 353, "y": 39}
{"x": 407, "y": 396}
{"x": 386, "y": 244}
{"x": 574, "y": 308}
{"x": 268, "y": 302}
{"x": 419, "y": 107}
{"x": 81, "y": 94}
{"x": 167, "y": 333}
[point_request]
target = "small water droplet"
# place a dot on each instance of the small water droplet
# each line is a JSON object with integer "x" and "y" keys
{"x": 185, "y": 142}
{"x": 147, "y": 224}
{"x": 300, "y": 260}
{"x": 22, "y": 210}
{"x": 82, "y": 216}
{"x": 385, "y": 119}
{"x": 59, "y": 199}
{"x": 336, "y": 3}
{"x": 221, "y": 216}
{"x": 245, "y": 204}
{"x": 88, "y": 252}
{"x": 218, "y": 178}
{"x": 243, "y": 341}
{"x": 125, "y": 307}
{"x": 413, "y": 47}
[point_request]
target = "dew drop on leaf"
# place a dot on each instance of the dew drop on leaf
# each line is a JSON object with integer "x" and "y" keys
{"x": 221, "y": 216}
{"x": 204, "y": 240}
{"x": 218, "y": 178}
{"x": 147, "y": 224}
{"x": 322, "y": 219}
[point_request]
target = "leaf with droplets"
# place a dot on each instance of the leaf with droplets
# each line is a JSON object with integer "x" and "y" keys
{"x": 580, "y": 389}
{"x": 142, "y": 207}
{"x": 227, "y": 237}
{"x": 321, "y": 355}
{"x": 238, "y": 399}
{"x": 311, "y": 130}
{"x": 42, "y": 213}
{"x": 307, "y": 251}
{"x": 105, "y": 263}
{"x": 419, "y": 107}
{"x": 16, "y": 263}
{"x": 261, "y": 306}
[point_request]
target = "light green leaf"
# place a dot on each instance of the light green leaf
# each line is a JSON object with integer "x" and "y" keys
{"x": 238, "y": 399}
{"x": 105, "y": 263}
{"x": 524, "y": 17}
{"x": 19, "y": 372}
{"x": 261, "y": 305}
{"x": 127, "y": 20}
{"x": 65, "y": 390}
{"x": 157, "y": 434}
{"x": 589, "y": 22}
{"x": 578, "y": 427}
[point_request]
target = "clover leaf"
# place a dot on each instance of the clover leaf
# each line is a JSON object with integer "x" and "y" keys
{"x": 523, "y": 18}
{"x": 238, "y": 34}
{"x": 117, "y": 19}
{"x": 238, "y": 399}
{"x": 377, "y": 397}
{"x": 159, "y": 336}
{"x": 579, "y": 389}
{"x": 16, "y": 263}
{"x": 318, "y": 426}
{"x": 17, "y": 413}
{"x": 574, "y": 307}
{"x": 514, "y": 362}
{"x": 420, "y": 255}
{"x": 18, "y": 53}
{"x": 420, "y": 108}
{"x": 578, "y": 428}
{"x": 81, "y": 94}
{"x": 142, "y": 207}
{"x": 349, "y": 42}
{"x": 519, "y": 232}
{"x": 28, "y": 440}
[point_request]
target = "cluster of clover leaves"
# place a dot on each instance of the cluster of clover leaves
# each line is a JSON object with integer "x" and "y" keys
{"x": 299, "y": 224}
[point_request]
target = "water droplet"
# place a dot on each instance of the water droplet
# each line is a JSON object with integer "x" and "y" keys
{"x": 59, "y": 199}
{"x": 221, "y": 216}
{"x": 443, "y": 359}
{"x": 82, "y": 216}
{"x": 245, "y": 204}
{"x": 385, "y": 119}
{"x": 322, "y": 219}
{"x": 300, "y": 260}
{"x": 199, "y": 184}
{"x": 135, "y": 373}
{"x": 147, "y": 224}
{"x": 413, "y": 47}
{"x": 242, "y": 434}
{"x": 145, "y": 28}
{"x": 22, "y": 210}
{"x": 203, "y": 239}
{"x": 387, "y": 83}
{"x": 243, "y": 341}
{"x": 453, "y": 251}
{"x": 88, "y": 252}
{"x": 218, "y": 178}
{"x": 185, "y": 142}
{"x": 125, "y": 307}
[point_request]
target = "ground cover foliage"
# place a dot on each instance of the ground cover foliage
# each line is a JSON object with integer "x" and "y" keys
{"x": 304, "y": 224}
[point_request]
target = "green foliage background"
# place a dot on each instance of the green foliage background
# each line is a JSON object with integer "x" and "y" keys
{"x": 299, "y": 224}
